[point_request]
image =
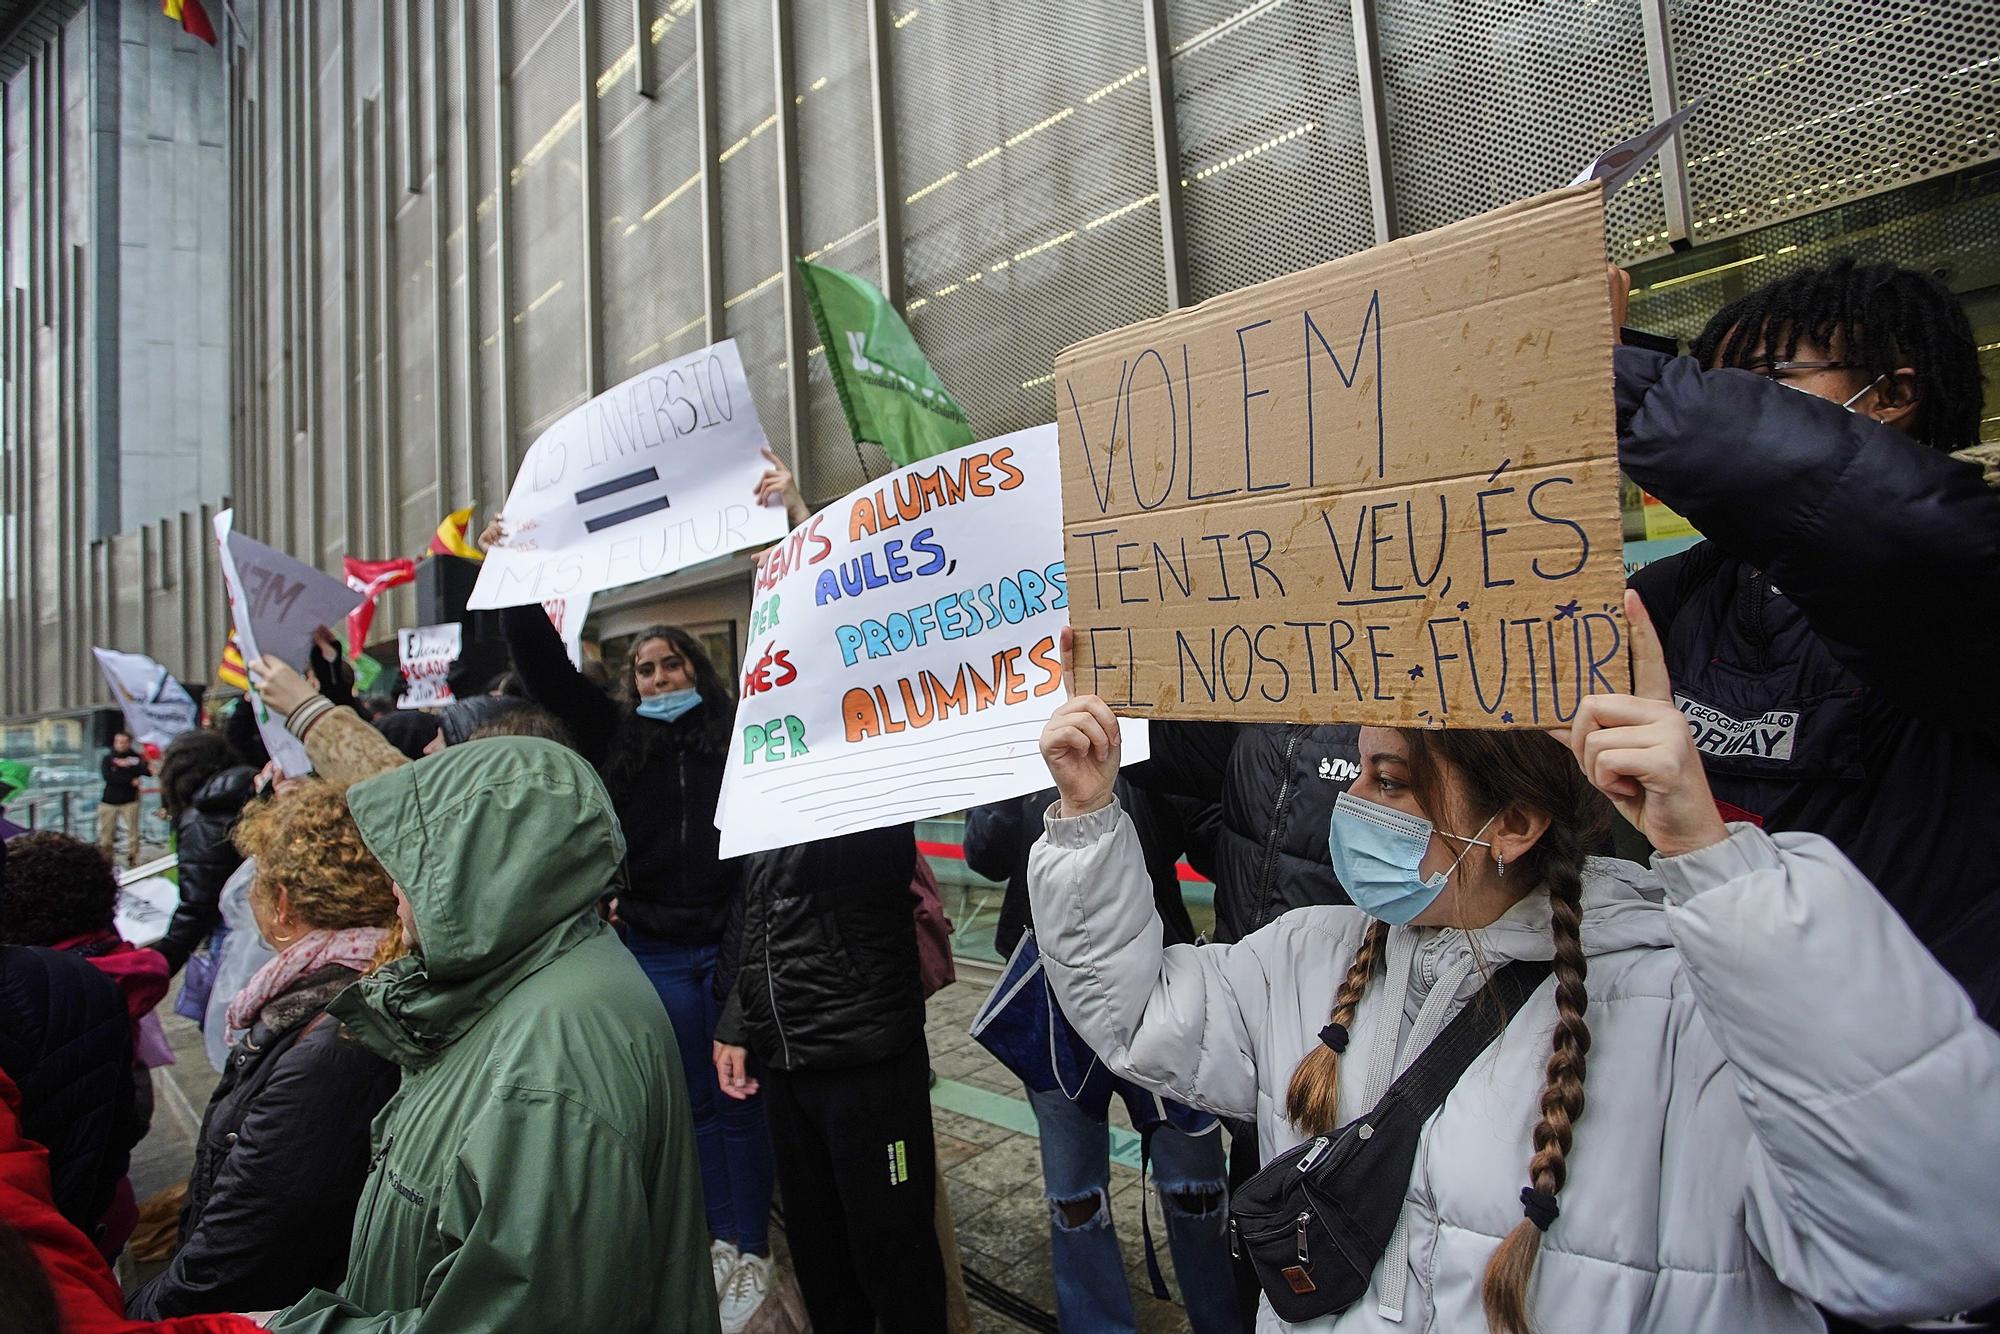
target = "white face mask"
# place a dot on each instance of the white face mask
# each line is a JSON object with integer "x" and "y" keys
{"x": 1847, "y": 403}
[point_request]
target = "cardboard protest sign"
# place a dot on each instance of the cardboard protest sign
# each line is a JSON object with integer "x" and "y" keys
{"x": 653, "y": 475}
{"x": 1382, "y": 490}
{"x": 427, "y": 653}
{"x": 157, "y": 708}
{"x": 276, "y": 603}
{"x": 902, "y": 651}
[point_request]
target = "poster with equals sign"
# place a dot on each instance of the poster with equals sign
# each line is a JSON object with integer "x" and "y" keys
{"x": 653, "y": 475}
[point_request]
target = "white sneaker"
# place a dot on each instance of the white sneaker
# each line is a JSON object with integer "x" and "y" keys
{"x": 723, "y": 1257}
{"x": 748, "y": 1286}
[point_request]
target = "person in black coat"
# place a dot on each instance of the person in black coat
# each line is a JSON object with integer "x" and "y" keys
{"x": 204, "y": 786}
{"x": 284, "y": 1145}
{"x": 1833, "y": 642}
{"x": 66, "y": 1043}
{"x": 827, "y": 998}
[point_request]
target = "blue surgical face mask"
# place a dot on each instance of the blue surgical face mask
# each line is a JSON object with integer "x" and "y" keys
{"x": 665, "y": 708}
{"x": 1377, "y": 852}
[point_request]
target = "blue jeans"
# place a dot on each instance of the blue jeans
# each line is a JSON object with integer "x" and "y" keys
{"x": 1093, "y": 1295}
{"x": 729, "y": 1134}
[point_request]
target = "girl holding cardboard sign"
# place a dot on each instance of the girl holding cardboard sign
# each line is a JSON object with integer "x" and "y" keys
{"x": 1738, "y": 1087}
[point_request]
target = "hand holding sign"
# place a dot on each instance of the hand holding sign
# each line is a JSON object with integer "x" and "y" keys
{"x": 1080, "y": 744}
{"x": 282, "y": 688}
{"x": 1637, "y": 750}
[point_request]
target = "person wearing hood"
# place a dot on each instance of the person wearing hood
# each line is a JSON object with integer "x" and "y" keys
{"x": 283, "y": 1146}
{"x": 662, "y": 750}
{"x": 204, "y": 786}
{"x": 536, "y": 1169}
{"x": 1743, "y": 1088}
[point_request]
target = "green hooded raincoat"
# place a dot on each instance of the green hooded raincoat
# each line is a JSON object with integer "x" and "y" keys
{"x": 536, "y": 1171}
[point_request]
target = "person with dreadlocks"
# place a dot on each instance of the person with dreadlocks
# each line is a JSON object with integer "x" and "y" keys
{"x": 1742, "y": 1086}
{"x": 1831, "y": 640}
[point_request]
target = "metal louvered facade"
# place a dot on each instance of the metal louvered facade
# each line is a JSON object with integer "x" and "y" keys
{"x": 453, "y": 220}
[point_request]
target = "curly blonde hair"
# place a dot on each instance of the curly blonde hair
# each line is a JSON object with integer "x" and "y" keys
{"x": 307, "y": 846}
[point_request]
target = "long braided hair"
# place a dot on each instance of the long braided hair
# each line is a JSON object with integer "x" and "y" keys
{"x": 1882, "y": 318}
{"x": 1492, "y": 771}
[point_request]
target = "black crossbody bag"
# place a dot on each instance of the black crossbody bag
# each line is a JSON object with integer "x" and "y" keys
{"x": 1317, "y": 1219}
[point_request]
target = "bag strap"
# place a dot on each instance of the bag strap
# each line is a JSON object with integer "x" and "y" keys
{"x": 1430, "y": 1079}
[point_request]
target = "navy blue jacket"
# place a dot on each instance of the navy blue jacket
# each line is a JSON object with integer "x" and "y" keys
{"x": 66, "y": 1042}
{"x": 1835, "y": 642}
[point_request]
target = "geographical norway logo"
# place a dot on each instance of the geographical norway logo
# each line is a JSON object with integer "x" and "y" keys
{"x": 899, "y": 1162}
{"x": 1717, "y": 733}
{"x": 1338, "y": 771}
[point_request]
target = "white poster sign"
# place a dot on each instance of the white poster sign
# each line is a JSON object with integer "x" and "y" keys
{"x": 428, "y": 653}
{"x": 1617, "y": 165}
{"x": 653, "y": 475}
{"x": 902, "y": 654}
{"x": 157, "y": 708}
{"x": 145, "y": 907}
{"x": 276, "y": 603}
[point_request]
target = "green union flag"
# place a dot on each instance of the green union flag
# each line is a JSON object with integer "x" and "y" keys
{"x": 891, "y": 395}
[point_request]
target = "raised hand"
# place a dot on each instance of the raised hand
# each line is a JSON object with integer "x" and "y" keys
{"x": 282, "y": 688}
{"x": 494, "y": 533}
{"x": 778, "y": 487}
{"x": 1080, "y": 744}
{"x": 1636, "y": 749}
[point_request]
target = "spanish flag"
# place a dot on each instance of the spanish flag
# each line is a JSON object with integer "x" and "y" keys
{"x": 192, "y": 18}
{"x": 230, "y": 671}
{"x": 453, "y": 537}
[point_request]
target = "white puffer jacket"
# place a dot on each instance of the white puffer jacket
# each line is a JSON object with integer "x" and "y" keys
{"x": 1787, "y": 1100}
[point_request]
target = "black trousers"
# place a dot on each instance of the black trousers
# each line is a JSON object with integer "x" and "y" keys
{"x": 858, "y": 1171}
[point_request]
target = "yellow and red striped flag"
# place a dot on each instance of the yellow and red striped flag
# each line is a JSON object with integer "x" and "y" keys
{"x": 192, "y": 18}
{"x": 230, "y": 670}
{"x": 453, "y": 536}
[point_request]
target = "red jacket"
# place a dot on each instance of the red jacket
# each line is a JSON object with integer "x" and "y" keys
{"x": 86, "y": 1294}
{"x": 141, "y": 974}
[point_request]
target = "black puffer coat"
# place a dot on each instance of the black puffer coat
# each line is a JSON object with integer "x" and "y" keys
{"x": 1276, "y": 783}
{"x": 277, "y": 1171}
{"x": 1834, "y": 642}
{"x": 207, "y": 859}
{"x": 66, "y": 1042}
{"x": 664, "y": 780}
{"x": 826, "y": 957}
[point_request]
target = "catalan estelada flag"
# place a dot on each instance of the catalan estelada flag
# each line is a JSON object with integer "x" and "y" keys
{"x": 192, "y": 18}
{"x": 453, "y": 536}
{"x": 230, "y": 671}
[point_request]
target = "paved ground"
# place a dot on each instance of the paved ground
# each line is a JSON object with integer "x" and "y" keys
{"x": 986, "y": 1150}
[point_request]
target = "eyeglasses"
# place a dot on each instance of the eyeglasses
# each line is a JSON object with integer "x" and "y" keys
{"x": 1777, "y": 370}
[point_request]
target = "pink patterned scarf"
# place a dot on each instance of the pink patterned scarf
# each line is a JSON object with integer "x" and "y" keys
{"x": 351, "y": 948}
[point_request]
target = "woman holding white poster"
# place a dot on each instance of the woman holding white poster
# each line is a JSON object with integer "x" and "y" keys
{"x": 660, "y": 745}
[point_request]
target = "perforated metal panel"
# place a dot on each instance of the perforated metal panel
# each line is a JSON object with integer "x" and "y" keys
{"x": 1809, "y": 104}
{"x": 753, "y": 292}
{"x": 1031, "y": 217}
{"x": 1274, "y": 176}
{"x": 837, "y": 203}
{"x": 546, "y": 223}
{"x": 649, "y": 187}
{"x": 1490, "y": 101}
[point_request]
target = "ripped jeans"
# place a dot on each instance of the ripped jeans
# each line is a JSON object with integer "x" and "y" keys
{"x": 1093, "y": 1294}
